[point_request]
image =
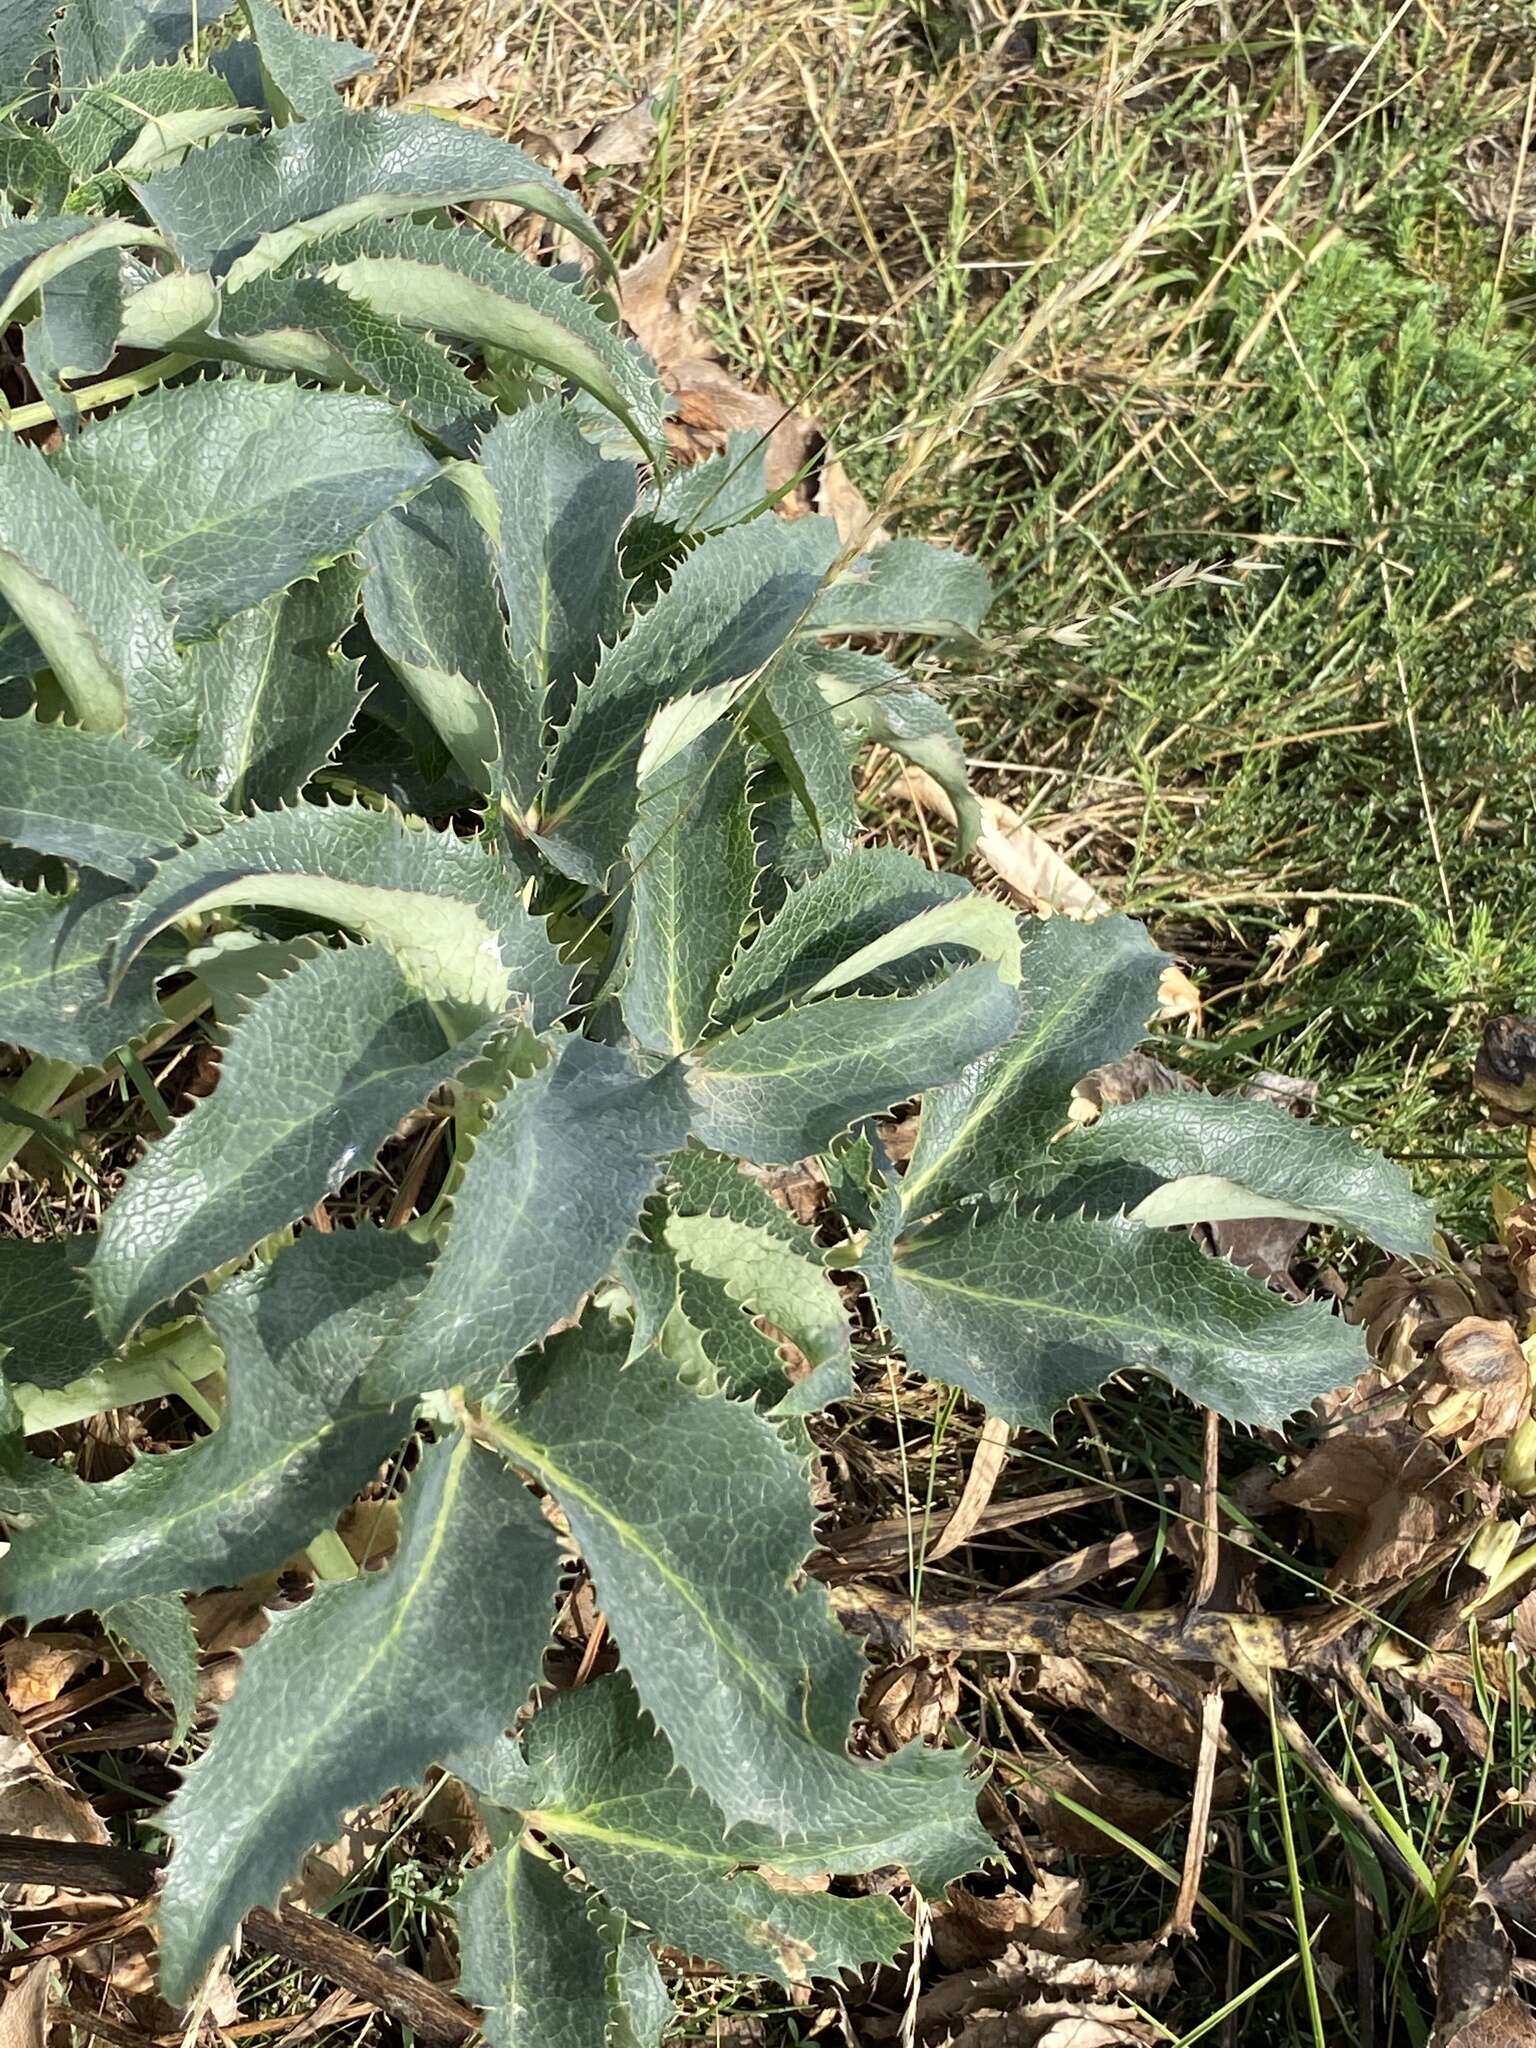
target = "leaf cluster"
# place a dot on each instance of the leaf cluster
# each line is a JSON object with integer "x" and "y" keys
{"x": 371, "y": 682}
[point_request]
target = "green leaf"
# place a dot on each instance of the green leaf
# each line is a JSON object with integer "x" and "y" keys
{"x": 274, "y": 694}
{"x": 254, "y": 202}
{"x": 562, "y": 506}
{"x": 45, "y": 1311}
{"x": 552, "y": 1189}
{"x": 606, "y": 1788}
{"x": 356, "y": 1692}
{"x": 906, "y": 586}
{"x": 31, "y": 169}
{"x": 313, "y": 328}
{"x": 1088, "y": 992}
{"x": 726, "y": 612}
{"x": 448, "y": 909}
{"x": 873, "y": 701}
{"x": 90, "y": 608}
{"x": 228, "y": 490}
{"x": 714, "y": 1342}
{"x": 170, "y": 312}
{"x": 856, "y": 900}
{"x": 703, "y": 1183}
{"x": 693, "y": 863}
{"x": 778, "y": 1090}
{"x": 118, "y": 113}
{"x": 769, "y": 1278}
{"x": 731, "y": 1649}
{"x": 545, "y": 1973}
{"x": 790, "y": 718}
{"x": 301, "y": 72}
{"x": 159, "y": 1629}
{"x": 313, "y": 1079}
{"x": 464, "y": 283}
{"x": 1255, "y": 1149}
{"x": 1026, "y": 1312}
{"x": 431, "y": 605}
{"x": 724, "y": 488}
{"x": 295, "y": 1444}
{"x": 93, "y": 798}
{"x": 75, "y": 331}
{"x": 97, "y": 39}
{"x": 54, "y": 975}
{"x": 24, "y": 28}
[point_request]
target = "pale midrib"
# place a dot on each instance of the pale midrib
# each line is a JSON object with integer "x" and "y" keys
{"x": 1056, "y": 1310}
{"x": 984, "y": 1104}
{"x": 564, "y": 1485}
{"x": 208, "y": 1504}
{"x": 399, "y": 1615}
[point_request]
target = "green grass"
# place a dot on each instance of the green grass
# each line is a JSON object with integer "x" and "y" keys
{"x": 1258, "y": 502}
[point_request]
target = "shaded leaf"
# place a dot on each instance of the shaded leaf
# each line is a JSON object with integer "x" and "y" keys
{"x": 870, "y": 700}
{"x": 448, "y": 909}
{"x": 228, "y": 490}
{"x": 769, "y": 1277}
{"x": 45, "y": 1311}
{"x": 344, "y": 1698}
{"x": 1024, "y": 1312}
{"x": 562, "y": 506}
{"x": 253, "y": 202}
{"x": 789, "y": 717}
{"x": 693, "y": 866}
{"x": 1258, "y": 1150}
{"x": 736, "y": 1656}
{"x": 605, "y": 1787}
{"x": 296, "y": 1442}
{"x": 313, "y": 1079}
{"x": 431, "y": 605}
{"x": 465, "y": 284}
{"x": 159, "y": 1629}
{"x": 54, "y": 954}
{"x": 851, "y": 903}
{"x": 300, "y": 72}
{"x": 552, "y": 1189}
{"x": 1088, "y": 990}
{"x": 274, "y": 694}
{"x": 545, "y": 1972}
{"x": 87, "y": 604}
{"x": 313, "y": 328}
{"x": 24, "y": 28}
{"x": 97, "y": 39}
{"x": 93, "y": 798}
{"x": 777, "y": 1090}
{"x": 115, "y": 115}
{"x": 727, "y": 610}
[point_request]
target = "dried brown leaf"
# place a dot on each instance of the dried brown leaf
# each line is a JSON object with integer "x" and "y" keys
{"x": 990, "y": 1457}
{"x": 1477, "y": 1389}
{"x": 24, "y": 2013}
{"x": 969, "y": 1928}
{"x": 1475, "y": 2002}
{"x": 1385, "y": 1500}
{"x": 1137, "y": 1703}
{"x": 911, "y": 1700}
{"x": 1126, "y": 1801}
{"x": 39, "y": 1667}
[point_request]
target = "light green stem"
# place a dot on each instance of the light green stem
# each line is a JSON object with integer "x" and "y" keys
{"x": 330, "y": 1557}
{"x": 44, "y": 1084}
{"x": 165, "y": 1365}
{"x": 110, "y": 392}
